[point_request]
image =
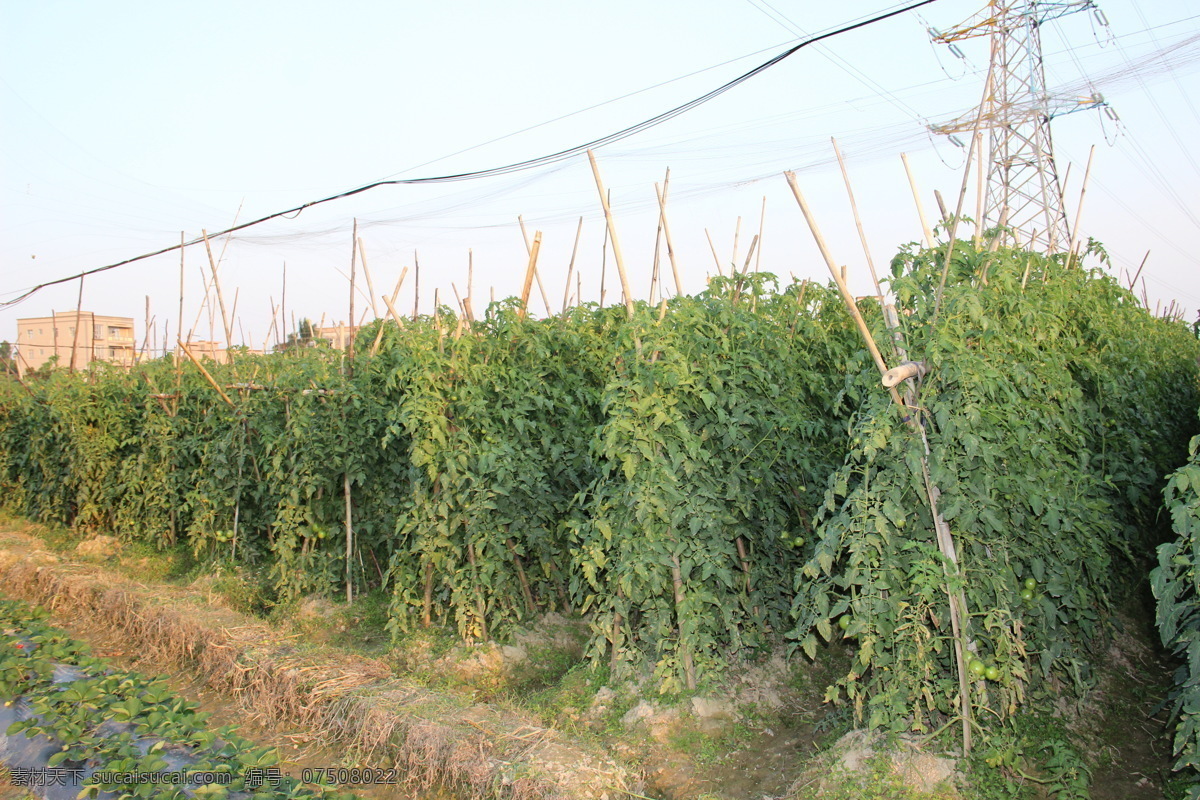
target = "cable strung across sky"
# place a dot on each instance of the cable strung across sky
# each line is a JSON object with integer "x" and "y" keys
{"x": 519, "y": 166}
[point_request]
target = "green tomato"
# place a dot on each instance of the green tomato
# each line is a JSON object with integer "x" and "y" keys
{"x": 1030, "y": 584}
{"x": 977, "y": 668}
{"x": 992, "y": 672}
{"x": 844, "y": 621}
{"x": 1027, "y": 595}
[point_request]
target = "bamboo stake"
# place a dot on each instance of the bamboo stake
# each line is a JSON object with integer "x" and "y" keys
{"x": 146, "y": 338}
{"x": 283, "y": 307}
{"x": 525, "y": 592}
{"x": 416, "y": 284}
{"x": 749, "y": 255}
{"x": 862, "y": 236}
{"x": 912, "y": 183}
{"x": 462, "y": 311}
{"x": 662, "y": 213}
{"x": 362, "y": 257}
{"x": 657, "y": 259}
{"x": 941, "y": 204}
{"x": 391, "y": 310}
{"x": 604, "y": 258}
{"x": 530, "y": 271}
{"x": 233, "y": 315}
{"x": 612, "y": 232}
{"x": 349, "y": 531}
{"x": 178, "y": 362}
{"x": 737, "y": 230}
{"x": 78, "y": 325}
{"x": 217, "y": 283}
{"x": 980, "y": 182}
{"x": 1138, "y": 274}
{"x": 1087, "y": 173}
{"x": 962, "y": 193}
{"x": 716, "y": 258}
{"x": 571, "y": 266}
{"x": 348, "y": 364}
{"x": 662, "y": 224}
{"x": 762, "y": 221}
{"x": 689, "y": 670}
{"x": 207, "y": 375}
{"x": 536, "y": 277}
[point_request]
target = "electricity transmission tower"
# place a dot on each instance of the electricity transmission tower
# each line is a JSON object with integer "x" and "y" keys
{"x": 1023, "y": 191}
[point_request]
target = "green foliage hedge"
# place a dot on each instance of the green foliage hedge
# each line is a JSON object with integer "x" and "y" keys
{"x": 1176, "y": 585}
{"x": 658, "y": 473}
{"x": 699, "y": 480}
{"x": 1052, "y": 405}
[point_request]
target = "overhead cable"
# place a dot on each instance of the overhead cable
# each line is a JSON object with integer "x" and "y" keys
{"x": 532, "y": 163}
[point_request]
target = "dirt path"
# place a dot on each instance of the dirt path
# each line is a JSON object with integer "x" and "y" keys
{"x": 315, "y": 701}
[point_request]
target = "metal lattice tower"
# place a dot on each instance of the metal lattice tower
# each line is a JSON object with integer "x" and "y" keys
{"x": 1023, "y": 190}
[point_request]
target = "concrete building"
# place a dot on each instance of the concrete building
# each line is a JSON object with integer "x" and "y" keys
{"x": 89, "y": 336}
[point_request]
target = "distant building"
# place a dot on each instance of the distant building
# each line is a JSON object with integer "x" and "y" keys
{"x": 338, "y": 336}
{"x": 214, "y": 351}
{"x": 89, "y": 336}
{"x": 202, "y": 349}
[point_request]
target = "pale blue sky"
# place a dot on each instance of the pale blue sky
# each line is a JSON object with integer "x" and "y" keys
{"x": 123, "y": 124}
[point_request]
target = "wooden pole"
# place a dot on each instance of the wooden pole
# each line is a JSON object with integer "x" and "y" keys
{"x": 912, "y": 183}
{"x": 612, "y": 233}
{"x": 571, "y": 265}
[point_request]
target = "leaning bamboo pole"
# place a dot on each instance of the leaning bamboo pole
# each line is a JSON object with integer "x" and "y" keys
{"x": 530, "y": 272}
{"x": 536, "y": 277}
{"x": 862, "y": 237}
{"x": 662, "y": 213}
{"x": 212, "y": 263}
{"x": 912, "y": 183}
{"x": 612, "y": 233}
{"x": 362, "y": 258}
{"x": 571, "y": 266}
{"x": 1087, "y": 173}
{"x": 78, "y": 325}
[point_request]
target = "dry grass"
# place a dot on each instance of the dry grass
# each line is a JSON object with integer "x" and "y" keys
{"x": 430, "y": 737}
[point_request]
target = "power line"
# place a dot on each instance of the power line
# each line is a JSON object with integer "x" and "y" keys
{"x": 519, "y": 166}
